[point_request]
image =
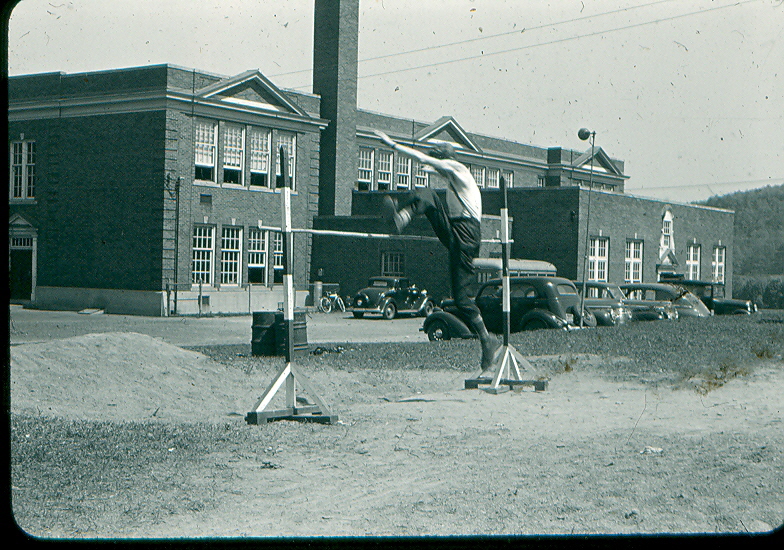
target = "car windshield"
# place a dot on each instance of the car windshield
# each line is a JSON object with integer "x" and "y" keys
{"x": 379, "y": 283}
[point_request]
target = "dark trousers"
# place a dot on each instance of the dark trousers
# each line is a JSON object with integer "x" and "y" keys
{"x": 461, "y": 237}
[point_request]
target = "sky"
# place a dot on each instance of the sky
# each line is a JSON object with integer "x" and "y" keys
{"x": 688, "y": 93}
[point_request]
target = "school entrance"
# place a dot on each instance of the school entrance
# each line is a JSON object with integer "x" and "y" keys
{"x": 22, "y": 261}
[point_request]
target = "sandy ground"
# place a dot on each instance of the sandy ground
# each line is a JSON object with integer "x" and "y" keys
{"x": 415, "y": 454}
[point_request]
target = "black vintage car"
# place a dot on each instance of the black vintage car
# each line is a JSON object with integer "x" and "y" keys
{"x": 606, "y": 302}
{"x": 712, "y": 295}
{"x": 390, "y": 297}
{"x": 535, "y": 303}
{"x": 666, "y": 296}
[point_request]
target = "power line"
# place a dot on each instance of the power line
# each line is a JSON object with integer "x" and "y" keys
{"x": 488, "y": 37}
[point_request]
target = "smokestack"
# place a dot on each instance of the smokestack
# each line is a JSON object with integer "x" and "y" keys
{"x": 335, "y": 51}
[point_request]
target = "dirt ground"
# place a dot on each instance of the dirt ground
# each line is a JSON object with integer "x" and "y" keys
{"x": 415, "y": 454}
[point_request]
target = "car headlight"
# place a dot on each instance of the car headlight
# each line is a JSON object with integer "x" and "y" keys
{"x": 359, "y": 301}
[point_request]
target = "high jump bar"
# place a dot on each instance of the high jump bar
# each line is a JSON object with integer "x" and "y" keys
{"x": 363, "y": 235}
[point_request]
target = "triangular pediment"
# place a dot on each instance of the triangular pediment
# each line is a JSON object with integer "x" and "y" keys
{"x": 601, "y": 162}
{"x": 446, "y": 129}
{"x": 17, "y": 221}
{"x": 668, "y": 258}
{"x": 251, "y": 89}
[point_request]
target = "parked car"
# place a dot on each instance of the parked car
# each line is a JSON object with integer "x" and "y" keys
{"x": 659, "y": 295}
{"x": 606, "y": 302}
{"x": 535, "y": 303}
{"x": 390, "y": 297}
{"x": 712, "y": 295}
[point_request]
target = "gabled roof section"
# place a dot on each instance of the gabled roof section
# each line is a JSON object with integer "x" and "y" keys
{"x": 602, "y": 162}
{"x": 18, "y": 221}
{"x": 251, "y": 89}
{"x": 447, "y": 129}
{"x": 668, "y": 258}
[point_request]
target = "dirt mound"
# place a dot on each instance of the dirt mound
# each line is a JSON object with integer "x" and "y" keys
{"x": 125, "y": 376}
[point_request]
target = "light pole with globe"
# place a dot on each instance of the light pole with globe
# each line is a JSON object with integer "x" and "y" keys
{"x": 584, "y": 134}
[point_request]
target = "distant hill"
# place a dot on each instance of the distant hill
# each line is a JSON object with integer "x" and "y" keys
{"x": 759, "y": 229}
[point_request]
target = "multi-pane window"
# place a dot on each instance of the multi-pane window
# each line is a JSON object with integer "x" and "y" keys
{"x": 365, "y": 174}
{"x": 420, "y": 175}
{"x": 287, "y": 140}
{"x": 597, "y": 259}
{"x": 509, "y": 178}
{"x": 403, "y": 172}
{"x": 392, "y": 264}
{"x": 259, "y": 157}
{"x": 479, "y": 174}
{"x": 384, "y": 170}
{"x": 23, "y": 170}
{"x": 717, "y": 264}
{"x": 693, "y": 262}
{"x": 633, "y": 272}
{"x": 257, "y": 256}
{"x": 233, "y": 154}
{"x": 231, "y": 253}
{"x": 492, "y": 178}
{"x": 201, "y": 260}
{"x": 277, "y": 256}
{"x": 205, "y": 145}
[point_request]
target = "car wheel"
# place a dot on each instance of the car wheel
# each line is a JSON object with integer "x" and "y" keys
{"x": 389, "y": 311}
{"x": 535, "y": 324}
{"x": 358, "y": 314}
{"x": 428, "y": 309}
{"x": 438, "y": 330}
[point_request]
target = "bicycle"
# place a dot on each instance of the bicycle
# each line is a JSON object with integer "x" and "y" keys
{"x": 331, "y": 300}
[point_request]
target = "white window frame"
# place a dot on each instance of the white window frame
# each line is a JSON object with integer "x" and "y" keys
{"x": 393, "y": 264}
{"x": 385, "y": 159}
{"x": 205, "y": 146}
{"x": 289, "y": 142}
{"x": 421, "y": 175}
{"x": 257, "y": 252}
{"x": 509, "y": 177}
{"x": 633, "y": 267}
{"x": 493, "y": 178}
{"x": 231, "y": 255}
{"x": 365, "y": 168}
{"x": 234, "y": 152}
{"x": 693, "y": 254}
{"x": 276, "y": 238}
{"x": 598, "y": 259}
{"x": 203, "y": 250}
{"x": 718, "y": 264}
{"x": 22, "y": 170}
{"x": 260, "y": 155}
{"x": 402, "y": 172}
{"x": 479, "y": 174}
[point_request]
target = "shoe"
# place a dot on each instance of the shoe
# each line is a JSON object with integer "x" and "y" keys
{"x": 491, "y": 353}
{"x": 391, "y": 212}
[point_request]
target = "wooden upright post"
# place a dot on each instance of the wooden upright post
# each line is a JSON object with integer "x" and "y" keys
{"x": 289, "y": 374}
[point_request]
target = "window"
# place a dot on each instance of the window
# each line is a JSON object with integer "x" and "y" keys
{"x": 421, "y": 177}
{"x": 277, "y": 257}
{"x": 597, "y": 259}
{"x": 233, "y": 154}
{"x": 205, "y": 143}
{"x": 22, "y": 170}
{"x": 201, "y": 264}
{"x": 633, "y": 262}
{"x": 479, "y": 174}
{"x": 717, "y": 264}
{"x": 392, "y": 264}
{"x": 287, "y": 140}
{"x": 257, "y": 256}
{"x": 509, "y": 177}
{"x": 492, "y": 178}
{"x": 667, "y": 236}
{"x": 403, "y": 172}
{"x": 384, "y": 170}
{"x": 693, "y": 262}
{"x": 231, "y": 252}
{"x": 259, "y": 157}
{"x": 365, "y": 174}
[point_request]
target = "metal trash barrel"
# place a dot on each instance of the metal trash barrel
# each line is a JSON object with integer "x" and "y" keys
{"x": 300, "y": 333}
{"x": 263, "y": 339}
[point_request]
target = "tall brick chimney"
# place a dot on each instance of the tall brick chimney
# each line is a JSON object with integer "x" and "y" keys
{"x": 335, "y": 51}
